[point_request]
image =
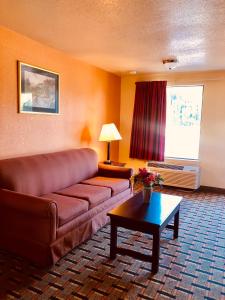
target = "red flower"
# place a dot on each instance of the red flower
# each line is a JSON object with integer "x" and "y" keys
{"x": 148, "y": 179}
{"x": 143, "y": 172}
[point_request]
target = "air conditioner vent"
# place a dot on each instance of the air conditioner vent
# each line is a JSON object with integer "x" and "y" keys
{"x": 176, "y": 175}
{"x": 165, "y": 166}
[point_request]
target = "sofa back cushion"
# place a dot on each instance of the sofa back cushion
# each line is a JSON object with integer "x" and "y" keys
{"x": 47, "y": 173}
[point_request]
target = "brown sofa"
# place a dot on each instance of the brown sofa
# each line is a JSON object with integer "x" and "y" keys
{"x": 50, "y": 203}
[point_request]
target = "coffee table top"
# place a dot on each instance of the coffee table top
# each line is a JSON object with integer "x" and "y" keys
{"x": 156, "y": 212}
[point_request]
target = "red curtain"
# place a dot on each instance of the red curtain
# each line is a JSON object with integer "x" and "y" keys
{"x": 149, "y": 121}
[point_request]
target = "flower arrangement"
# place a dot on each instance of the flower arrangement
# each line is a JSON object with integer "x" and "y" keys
{"x": 147, "y": 179}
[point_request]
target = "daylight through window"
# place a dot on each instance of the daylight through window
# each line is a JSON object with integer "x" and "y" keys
{"x": 183, "y": 120}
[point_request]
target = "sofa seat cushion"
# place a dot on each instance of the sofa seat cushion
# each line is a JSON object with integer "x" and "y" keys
{"x": 117, "y": 185}
{"x": 93, "y": 194}
{"x": 68, "y": 207}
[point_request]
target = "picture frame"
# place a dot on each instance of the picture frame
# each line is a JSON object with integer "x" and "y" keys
{"x": 38, "y": 90}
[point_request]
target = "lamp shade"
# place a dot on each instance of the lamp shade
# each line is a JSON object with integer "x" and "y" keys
{"x": 109, "y": 133}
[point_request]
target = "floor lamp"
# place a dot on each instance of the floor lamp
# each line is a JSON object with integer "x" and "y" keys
{"x": 108, "y": 134}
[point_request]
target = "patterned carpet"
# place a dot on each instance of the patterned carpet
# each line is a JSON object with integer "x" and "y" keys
{"x": 192, "y": 267}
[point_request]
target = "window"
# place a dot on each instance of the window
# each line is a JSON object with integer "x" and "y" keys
{"x": 183, "y": 119}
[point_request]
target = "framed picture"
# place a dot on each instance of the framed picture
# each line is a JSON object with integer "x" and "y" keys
{"x": 38, "y": 90}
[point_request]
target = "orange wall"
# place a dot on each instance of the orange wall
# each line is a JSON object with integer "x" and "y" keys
{"x": 89, "y": 97}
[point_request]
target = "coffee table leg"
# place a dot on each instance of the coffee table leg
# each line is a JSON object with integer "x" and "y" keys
{"x": 176, "y": 225}
{"x": 113, "y": 242}
{"x": 155, "y": 252}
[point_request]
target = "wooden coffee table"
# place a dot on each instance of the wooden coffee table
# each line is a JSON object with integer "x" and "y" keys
{"x": 151, "y": 218}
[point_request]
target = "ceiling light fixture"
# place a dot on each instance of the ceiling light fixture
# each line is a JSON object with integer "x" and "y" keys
{"x": 133, "y": 72}
{"x": 170, "y": 63}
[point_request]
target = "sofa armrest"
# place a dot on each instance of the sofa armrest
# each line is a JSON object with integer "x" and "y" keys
{"x": 28, "y": 217}
{"x": 114, "y": 171}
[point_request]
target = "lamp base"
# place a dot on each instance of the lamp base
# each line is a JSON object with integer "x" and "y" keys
{"x": 107, "y": 162}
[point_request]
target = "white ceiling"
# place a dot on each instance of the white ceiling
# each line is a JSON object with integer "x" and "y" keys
{"x": 124, "y": 35}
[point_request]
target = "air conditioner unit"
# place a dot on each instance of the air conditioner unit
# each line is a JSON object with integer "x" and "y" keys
{"x": 178, "y": 176}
